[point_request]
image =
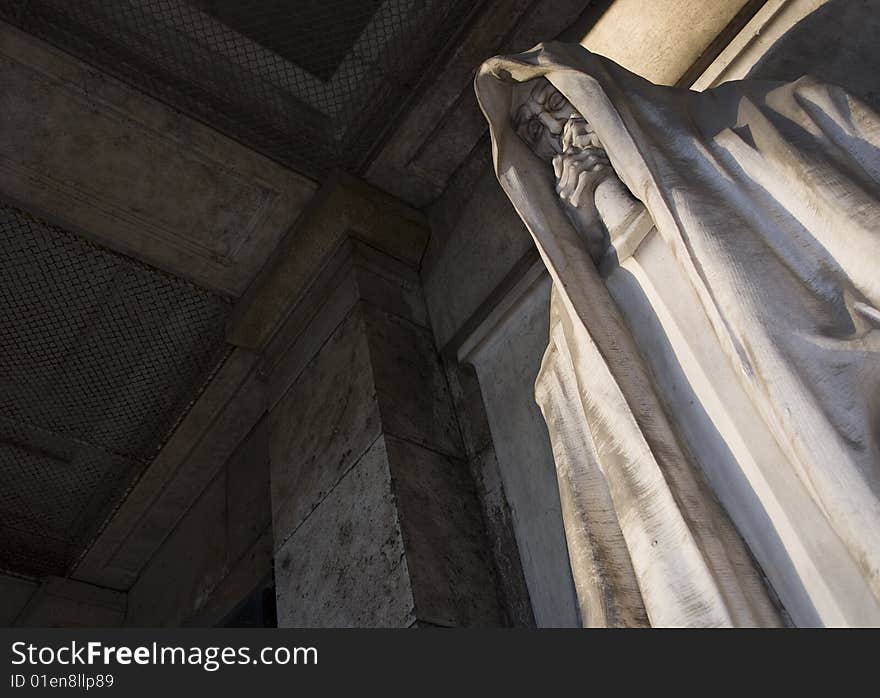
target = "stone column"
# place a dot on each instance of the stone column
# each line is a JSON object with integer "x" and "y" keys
{"x": 375, "y": 518}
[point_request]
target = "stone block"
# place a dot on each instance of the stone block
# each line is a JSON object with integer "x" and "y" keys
{"x": 323, "y": 424}
{"x": 659, "y": 40}
{"x": 410, "y": 383}
{"x": 345, "y": 566}
{"x": 389, "y": 284}
{"x": 355, "y": 272}
{"x": 445, "y": 544}
{"x": 344, "y": 208}
{"x": 329, "y": 301}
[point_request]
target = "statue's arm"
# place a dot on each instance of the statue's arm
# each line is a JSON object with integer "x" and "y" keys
{"x": 597, "y": 203}
{"x": 578, "y": 173}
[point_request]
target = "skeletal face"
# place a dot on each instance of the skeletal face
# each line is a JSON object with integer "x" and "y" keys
{"x": 559, "y": 135}
{"x": 547, "y": 121}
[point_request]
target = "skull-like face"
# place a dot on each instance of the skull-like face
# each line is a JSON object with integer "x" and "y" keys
{"x": 547, "y": 121}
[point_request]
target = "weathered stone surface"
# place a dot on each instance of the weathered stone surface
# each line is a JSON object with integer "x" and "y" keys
{"x": 444, "y": 536}
{"x": 378, "y": 371}
{"x": 377, "y": 376}
{"x": 182, "y": 575}
{"x": 410, "y": 384}
{"x": 85, "y": 150}
{"x": 376, "y": 367}
{"x": 507, "y": 363}
{"x": 478, "y": 239}
{"x": 345, "y": 566}
{"x": 322, "y": 426}
{"x": 344, "y": 208}
{"x": 662, "y": 38}
{"x": 500, "y": 530}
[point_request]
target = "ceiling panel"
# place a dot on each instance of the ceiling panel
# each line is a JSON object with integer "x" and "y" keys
{"x": 99, "y": 357}
{"x": 313, "y": 84}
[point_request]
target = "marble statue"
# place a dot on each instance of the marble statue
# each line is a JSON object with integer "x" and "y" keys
{"x": 712, "y": 381}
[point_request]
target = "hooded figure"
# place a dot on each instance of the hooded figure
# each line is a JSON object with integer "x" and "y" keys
{"x": 717, "y": 320}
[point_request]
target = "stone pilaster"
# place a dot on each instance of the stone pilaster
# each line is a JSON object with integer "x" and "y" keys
{"x": 375, "y": 517}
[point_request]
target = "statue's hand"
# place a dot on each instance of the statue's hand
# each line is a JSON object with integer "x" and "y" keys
{"x": 578, "y": 173}
{"x": 578, "y": 134}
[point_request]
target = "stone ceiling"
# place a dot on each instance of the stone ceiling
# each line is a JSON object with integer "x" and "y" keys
{"x": 99, "y": 357}
{"x": 112, "y": 321}
{"x": 313, "y": 84}
{"x": 113, "y": 302}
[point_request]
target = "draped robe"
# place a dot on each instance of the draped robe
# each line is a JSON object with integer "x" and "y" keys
{"x": 766, "y": 201}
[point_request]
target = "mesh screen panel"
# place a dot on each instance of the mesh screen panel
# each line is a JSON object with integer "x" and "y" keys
{"x": 99, "y": 357}
{"x": 311, "y": 83}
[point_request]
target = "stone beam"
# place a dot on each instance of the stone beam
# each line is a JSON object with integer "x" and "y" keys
{"x": 66, "y": 603}
{"x": 86, "y": 152}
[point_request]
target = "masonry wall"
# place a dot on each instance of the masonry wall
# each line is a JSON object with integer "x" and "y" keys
{"x": 375, "y": 517}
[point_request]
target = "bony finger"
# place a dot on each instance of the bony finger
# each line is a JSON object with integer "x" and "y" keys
{"x": 557, "y": 166}
{"x": 560, "y": 184}
{"x": 581, "y": 140}
{"x": 565, "y": 181}
{"x": 559, "y": 171}
{"x": 583, "y": 180}
{"x": 581, "y": 155}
